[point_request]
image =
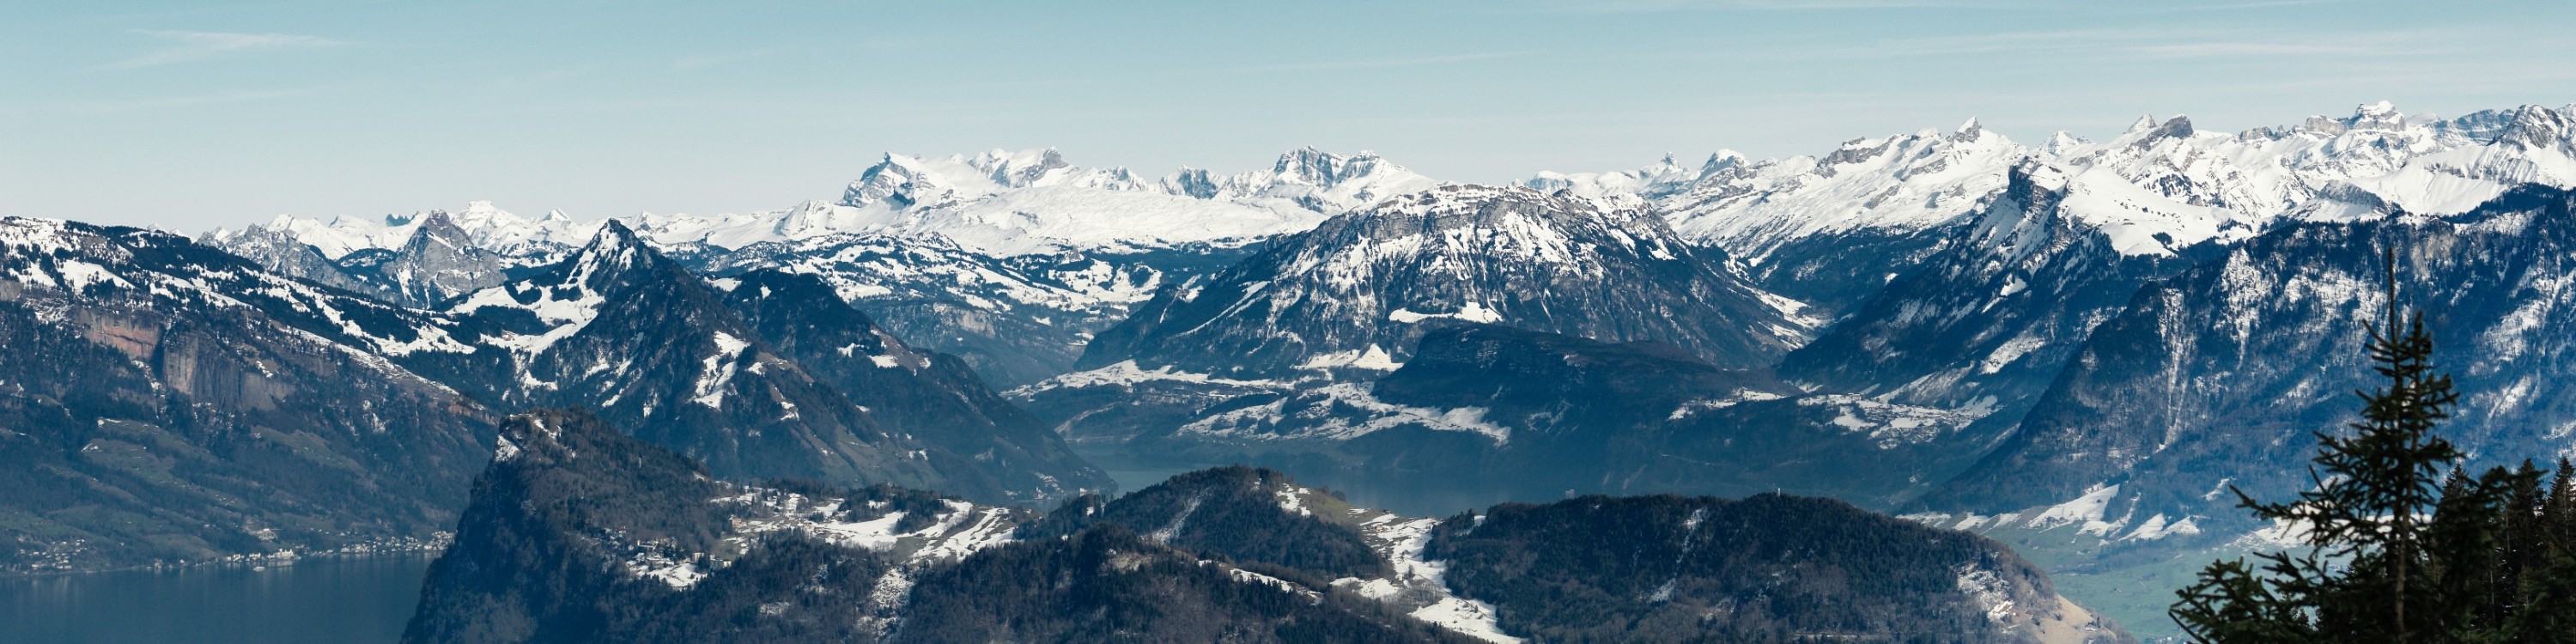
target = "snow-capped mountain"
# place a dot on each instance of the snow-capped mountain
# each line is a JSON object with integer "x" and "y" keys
{"x": 1017, "y": 319}
{"x": 1356, "y": 292}
{"x": 2001, "y": 297}
{"x": 1276, "y": 353}
{"x": 783, "y": 379}
{"x": 1831, "y": 230}
{"x": 1903, "y": 183}
{"x": 486, "y": 226}
{"x": 1009, "y": 259}
{"x": 1928, "y": 179}
{"x": 162, "y": 402}
{"x": 1026, "y": 202}
{"x": 2421, "y": 164}
{"x": 419, "y": 261}
{"x": 998, "y": 203}
{"x": 1986, "y": 320}
{"x": 1629, "y": 188}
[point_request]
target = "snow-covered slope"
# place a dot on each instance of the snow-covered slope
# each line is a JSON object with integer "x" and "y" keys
{"x": 1902, "y": 183}
{"x": 1831, "y": 230}
{"x": 1629, "y": 188}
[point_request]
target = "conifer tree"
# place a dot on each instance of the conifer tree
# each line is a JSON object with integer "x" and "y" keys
{"x": 2396, "y": 551}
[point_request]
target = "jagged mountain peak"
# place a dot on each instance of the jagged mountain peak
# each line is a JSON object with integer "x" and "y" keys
{"x": 615, "y": 248}
{"x": 2144, "y": 123}
{"x": 1907, "y": 182}
{"x": 2537, "y": 127}
{"x": 1315, "y": 166}
{"x": 438, "y": 227}
{"x": 2381, "y": 115}
{"x": 2178, "y": 127}
{"x": 2062, "y": 142}
{"x": 1969, "y": 130}
{"x": 1721, "y": 160}
{"x": 1630, "y": 188}
{"x": 901, "y": 181}
{"x": 2135, "y": 220}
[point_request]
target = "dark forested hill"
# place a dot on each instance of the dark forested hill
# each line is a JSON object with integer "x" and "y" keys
{"x": 578, "y": 533}
{"x": 1247, "y": 515}
{"x": 1764, "y": 569}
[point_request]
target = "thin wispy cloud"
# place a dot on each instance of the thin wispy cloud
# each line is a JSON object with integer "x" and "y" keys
{"x": 188, "y": 100}
{"x": 1652, "y": 6}
{"x": 1384, "y": 63}
{"x": 2153, "y": 44}
{"x": 186, "y": 46}
{"x": 2220, "y": 6}
{"x": 698, "y": 62}
{"x": 2247, "y": 48}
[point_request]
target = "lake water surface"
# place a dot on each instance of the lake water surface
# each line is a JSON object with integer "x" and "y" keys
{"x": 317, "y": 601}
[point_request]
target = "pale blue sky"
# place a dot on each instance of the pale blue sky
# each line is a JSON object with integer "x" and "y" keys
{"x": 196, "y": 114}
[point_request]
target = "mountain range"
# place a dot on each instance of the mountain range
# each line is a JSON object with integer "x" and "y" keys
{"x": 2070, "y": 345}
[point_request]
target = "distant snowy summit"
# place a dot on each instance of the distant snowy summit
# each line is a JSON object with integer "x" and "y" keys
{"x": 2160, "y": 174}
{"x": 997, "y": 203}
{"x": 2183, "y": 180}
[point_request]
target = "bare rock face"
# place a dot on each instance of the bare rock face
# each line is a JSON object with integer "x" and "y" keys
{"x": 439, "y": 262}
{"x": 436, "y": 261}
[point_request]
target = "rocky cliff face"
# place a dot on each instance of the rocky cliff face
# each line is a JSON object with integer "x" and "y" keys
{"x": 440, "y": 261}
{"x": 2218, "y": 376}
{"x": 164, "y": 403}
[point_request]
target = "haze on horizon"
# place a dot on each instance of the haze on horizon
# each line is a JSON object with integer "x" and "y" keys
{"x": 191, "y": 116}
